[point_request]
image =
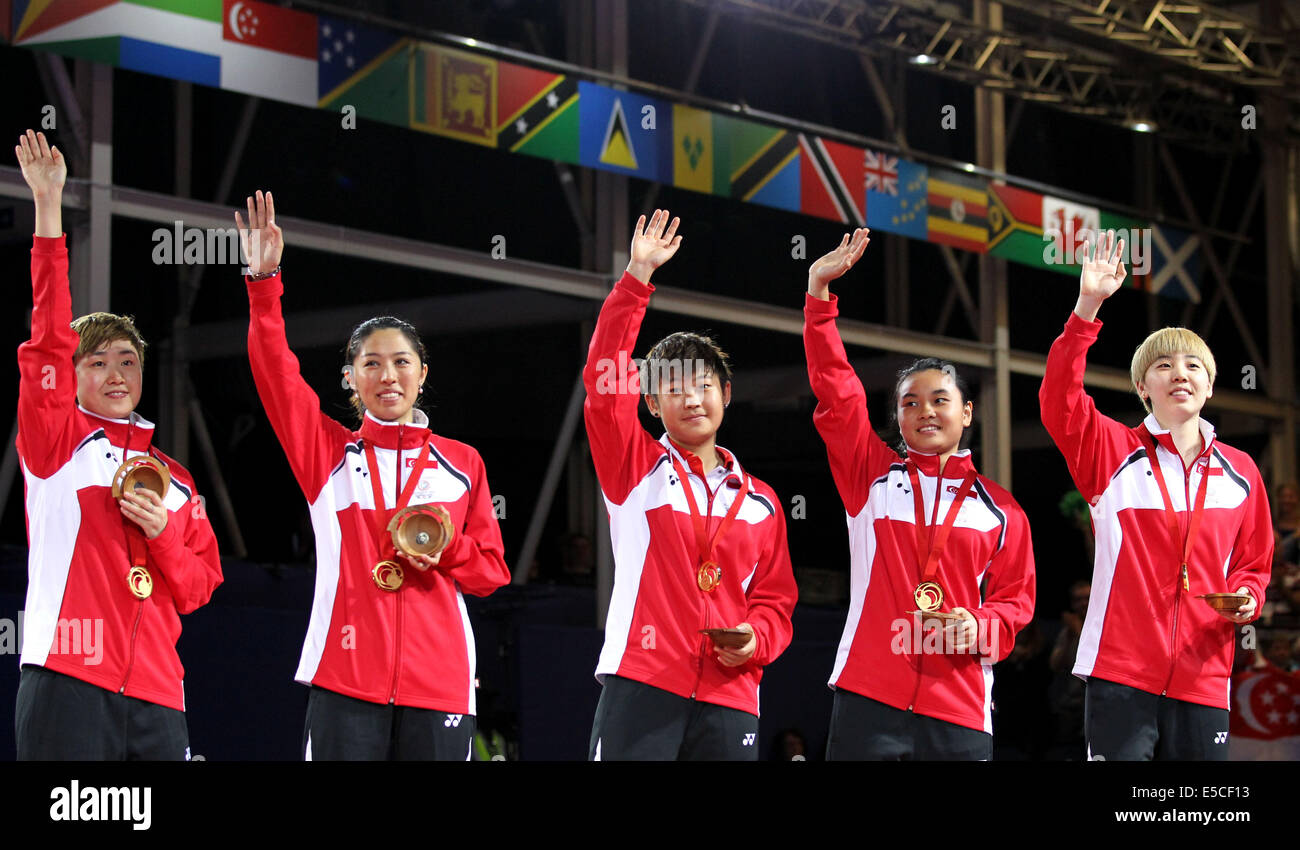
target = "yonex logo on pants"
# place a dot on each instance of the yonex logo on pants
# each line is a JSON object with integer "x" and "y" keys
{"x": 452, "y": 720}
{"x": 1220, "y": 737}
{"x": 748, "y": 740}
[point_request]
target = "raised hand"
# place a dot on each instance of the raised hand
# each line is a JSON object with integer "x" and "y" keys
{"x": 45, "y": 171}
{"x": 1103, "y": 274}
{"x": 837, "y": 262}
{"x": 652, "y": 245}
{"x": 262, "y": 241}
{"x": 43, "y": 165}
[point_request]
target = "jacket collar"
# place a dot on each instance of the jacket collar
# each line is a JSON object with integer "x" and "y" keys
{"x": 1166, "y": 440}
{"x": 392, "y": 435}
{"x": 730, "y": 466}
{"x": 959, "y": 463}
{"x": 135, "y": 428}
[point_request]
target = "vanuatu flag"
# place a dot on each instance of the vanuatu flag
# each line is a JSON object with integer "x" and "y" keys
{"x": 957, "y": 210}
{"x": 1015, "y": 222}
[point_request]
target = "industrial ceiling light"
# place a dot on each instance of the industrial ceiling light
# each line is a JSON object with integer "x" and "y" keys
{"x": 924, "y": 59}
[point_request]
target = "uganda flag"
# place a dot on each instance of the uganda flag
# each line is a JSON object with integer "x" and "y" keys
{"x": 957, "y": 210}
{"x": 537, "y": 113}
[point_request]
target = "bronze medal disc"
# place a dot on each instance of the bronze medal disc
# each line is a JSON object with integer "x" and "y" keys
{"x": 388, "y": 575}
{"x": 709, "y": 576}
{"x": 139, "y": 582}
{"x": 928, "y": 596}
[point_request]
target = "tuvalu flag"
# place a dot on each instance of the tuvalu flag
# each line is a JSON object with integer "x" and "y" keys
{"x": 537, "y": 113}
{"x": 957, "y": 210}
{"x": 895, "y": 194}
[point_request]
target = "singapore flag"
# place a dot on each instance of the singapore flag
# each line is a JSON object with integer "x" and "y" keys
{"x": 1265, "y": 718}
{"x": 269, "y": 51}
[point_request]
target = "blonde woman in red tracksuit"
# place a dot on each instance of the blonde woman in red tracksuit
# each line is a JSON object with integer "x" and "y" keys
{"x": 699, "y": 543}
{"x": 904, "y": 687}
{"x": 389, "y": 650}
{"x": 1176, "y": 514}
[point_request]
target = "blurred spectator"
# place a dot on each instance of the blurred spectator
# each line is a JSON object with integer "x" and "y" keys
{"x": 577, "y": 561}
{"x": 1066, "y": 692}
{"x": 1021, "y": 722}
{"x": 789, "y": 745}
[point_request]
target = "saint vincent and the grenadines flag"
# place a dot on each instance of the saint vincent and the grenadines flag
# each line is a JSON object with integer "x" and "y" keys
{"x": 240, "y": 45}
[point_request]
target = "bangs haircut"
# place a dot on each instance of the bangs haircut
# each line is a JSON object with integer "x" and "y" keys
{"x": 681, "y": 355}
{"x": 96, "y": 330}
{"x": 1167, "y": 342}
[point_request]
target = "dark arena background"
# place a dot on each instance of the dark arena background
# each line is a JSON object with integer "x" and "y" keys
{"x": 477, "y": 167}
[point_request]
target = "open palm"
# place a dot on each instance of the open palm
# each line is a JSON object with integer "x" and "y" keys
{"x": 262, "y": 241}
{"x": 655, "y": 243}
{"x": 837, "y": 262}
{"x": 1103, "y": 272}
{"x": 42, "y": 165}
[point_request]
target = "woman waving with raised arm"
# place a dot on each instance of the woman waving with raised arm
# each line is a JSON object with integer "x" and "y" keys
{"x": 942, "y": 569}
{"x": 1177, "y": 515}
{"x": 703, "y": 589}
{"x": 389, "y": 652}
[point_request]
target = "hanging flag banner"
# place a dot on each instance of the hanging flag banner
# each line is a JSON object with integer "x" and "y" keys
{"x": 624, "y": 132}
{"x": 455, "y": 95}
{"x": 956, "y": 215}
{"x": 537, "y": 113}
{"x": 367, "y": 69}
{"x": 764, "y": 164}
{"x": 831, "y": 181}
{"x": 330, "y": 62}
{"x": 896, "y": 200}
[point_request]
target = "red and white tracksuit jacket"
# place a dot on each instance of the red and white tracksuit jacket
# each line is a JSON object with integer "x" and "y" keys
{"x": 989, "y": 546}
{"x": 413, "y": 646}
{"x": 1145, "y": 629}
{"x": 657, "y": 609}
{"x": 81, "y": 619}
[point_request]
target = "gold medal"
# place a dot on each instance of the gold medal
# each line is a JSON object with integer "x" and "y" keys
{"x": 709, "y": 576}
{"x": 928, "y": 596}
{"x": 388, "y": 575}
{"x": 139, "y": 582}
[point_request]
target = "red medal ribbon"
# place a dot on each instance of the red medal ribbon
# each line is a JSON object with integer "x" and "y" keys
{"x": 1171, "y": 516}
{"x": 929, "y": 550}
{"x": 708, "y": 548}
{"x": 382, "y": 514}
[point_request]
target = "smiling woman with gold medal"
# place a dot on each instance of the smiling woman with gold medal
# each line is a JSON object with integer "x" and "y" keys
{"x": 941, "y": 559}
{"x": 703, "y": 588}
{"x": 404, "y": 526}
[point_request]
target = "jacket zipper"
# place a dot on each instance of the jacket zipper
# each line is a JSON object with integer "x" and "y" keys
{"x": 397, "y": 620}
{"x": 704, "y": 602}
{"x": 139, "y": 609}
{"x": 1178, "y": 591}
{"x": 135, "y": 630}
